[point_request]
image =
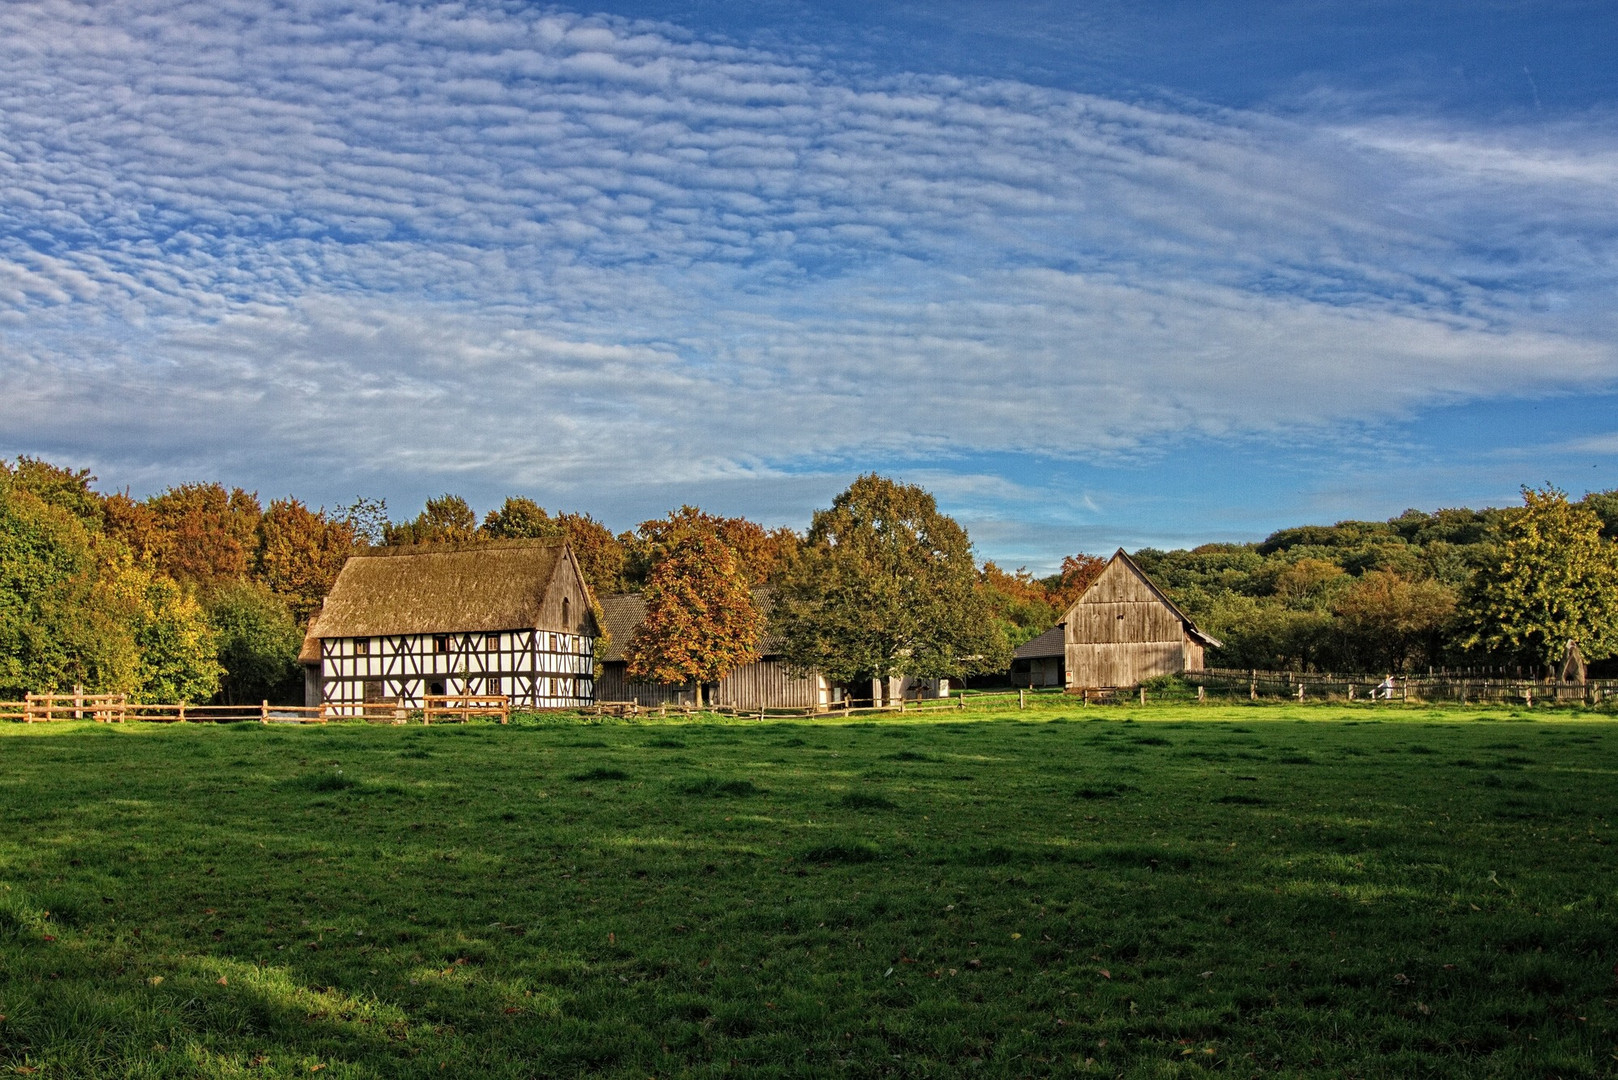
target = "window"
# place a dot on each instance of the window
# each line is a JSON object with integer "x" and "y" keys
{"x": 491, "y": 643}
{"x": 491, "y": 685}
{"x": 566, "y": 622}
{"x": 362, "y": 646}
{"x": 441, "y": 643}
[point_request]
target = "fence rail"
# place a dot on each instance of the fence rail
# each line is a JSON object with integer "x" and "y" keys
{"x": 1461, "y": 688}
{"x": 466, "y": 706}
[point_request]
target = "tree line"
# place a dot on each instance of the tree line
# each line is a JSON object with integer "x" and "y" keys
{"x": 202, "y": 592}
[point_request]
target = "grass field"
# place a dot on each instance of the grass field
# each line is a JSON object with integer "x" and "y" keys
{"x": 1311, "y": 891}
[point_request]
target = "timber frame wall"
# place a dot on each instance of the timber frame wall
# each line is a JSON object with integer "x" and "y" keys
{"x": 536, "y": 669}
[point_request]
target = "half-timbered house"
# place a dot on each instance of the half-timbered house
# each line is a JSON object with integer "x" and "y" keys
{"x": 1121, "y": 631}
{"x": 510, "y": 617}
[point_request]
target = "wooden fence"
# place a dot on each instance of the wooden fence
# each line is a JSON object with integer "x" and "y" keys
{"x": 466, "y": 706}
{"x": 117, "y": 708}
{"x": 1457, "y": 687}
{"x": 961, "y": 699}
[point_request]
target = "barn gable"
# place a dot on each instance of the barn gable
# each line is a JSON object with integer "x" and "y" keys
{"x": 1123, "y": 629}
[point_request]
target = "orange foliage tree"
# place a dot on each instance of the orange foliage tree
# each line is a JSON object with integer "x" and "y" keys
{"x": 701, "y": 622}
{"x": 299, "y": 554}
{"x": 1078, "y": 571}
{"x": 207, "y": 533}
{"x": 759, "y": 552}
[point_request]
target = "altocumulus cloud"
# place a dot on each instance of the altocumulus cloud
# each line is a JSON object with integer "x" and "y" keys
{"x": 556, "y": 252}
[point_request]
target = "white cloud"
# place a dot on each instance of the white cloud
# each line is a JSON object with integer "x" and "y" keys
{"x": 579, "y": 254}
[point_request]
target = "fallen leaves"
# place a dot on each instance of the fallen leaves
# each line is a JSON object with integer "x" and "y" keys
{"x": 1105, "y": 974}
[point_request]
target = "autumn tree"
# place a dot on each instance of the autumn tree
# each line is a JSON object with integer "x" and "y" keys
{"x": 206, "y": 533}
{"x": 759, "y": 552}
{"x": 1019, "y": 601}
{"x": 1077, "y": 573}
{"x": 886, "y": 585}
{"x": 1553, "y": 580}
{"x": 66, "y": 489}
{"x": 299, "y": 553}
{"x": 600, "y": 553}
{"x": 1390, "y": 623}
{"x": 701, "y": 622}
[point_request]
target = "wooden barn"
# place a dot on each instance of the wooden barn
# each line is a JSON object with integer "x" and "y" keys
{"x": 510, "y": 617}
{"x": 1121, "y": 631}
{"x": 765, "y": 683}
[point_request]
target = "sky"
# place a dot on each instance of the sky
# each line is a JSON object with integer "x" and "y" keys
{"x": 1095, "y": 274}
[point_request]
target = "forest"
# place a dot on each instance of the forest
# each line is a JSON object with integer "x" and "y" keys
{"x": 202, "y": 592}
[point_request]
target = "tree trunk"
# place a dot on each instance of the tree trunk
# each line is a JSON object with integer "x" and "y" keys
{"x": 696, "y": 687}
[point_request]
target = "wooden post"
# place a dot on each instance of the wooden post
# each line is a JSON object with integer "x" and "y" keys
{"x": 1300, "y": 690}
{"x": 264, "y": 711}
{"x": 1202, "y": 693}
{"x": 78, "y": 701}
{"x": 182, "y": 710}
{"x": 1351, "y": 691}
{"x": 1021, "y": 703}
{"x": 28, "y": 707}
{"x": 1143, "y": 695}
{"x": 962, "y": 704}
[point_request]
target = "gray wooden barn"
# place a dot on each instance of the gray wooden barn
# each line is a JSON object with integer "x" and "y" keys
{"x": 766, "y": 683}
{"x": 509, "y": 617}
{"x": 1121, "y": 631}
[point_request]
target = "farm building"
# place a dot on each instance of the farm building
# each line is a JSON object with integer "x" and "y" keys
{"x": 766, "y": 683}
{"x": 511, "y": 618}
{"x": 1121, "y": 631}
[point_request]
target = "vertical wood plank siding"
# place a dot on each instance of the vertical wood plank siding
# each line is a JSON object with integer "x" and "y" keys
{"x": 765, "y": 684}
{"x": 1120, "y": 632}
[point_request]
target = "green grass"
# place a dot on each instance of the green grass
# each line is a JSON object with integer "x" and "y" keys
{"x": 1295, "y": 890}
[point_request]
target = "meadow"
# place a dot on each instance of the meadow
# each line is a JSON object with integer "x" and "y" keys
{"x": 1163, "y": 891}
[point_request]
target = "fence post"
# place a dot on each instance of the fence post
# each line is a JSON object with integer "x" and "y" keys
{"x": 1202, "y": 693}
{"x": 1021, "y": 704}
{"x": 28, "y": 707}
{"x": 182, "y": 710}
{"x": 264, "y": 711}
{"x": 78, "y": 701}
{"x": 962, "y": 704}
{"x": 1300, "y": 690}
{"x": 1143, "y": 695}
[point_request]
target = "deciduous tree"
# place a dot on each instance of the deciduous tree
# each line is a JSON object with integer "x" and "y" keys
{"x": 701, "y": 622}
{"x": 299, "y": 553}
{"x": 256, "y": 644}
{"x": 886, "y": 585}
{"x": 1553, "y": 580}
{"x": 208, "y": 532}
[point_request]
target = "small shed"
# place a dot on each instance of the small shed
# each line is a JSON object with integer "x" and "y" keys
{"x": 1121, "y": 631}
{"x": 765, "y": 683}
{"x": 509, "y": 617}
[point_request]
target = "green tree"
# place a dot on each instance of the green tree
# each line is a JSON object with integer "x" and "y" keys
{"x": 60, "y": 623}
{"x": 448, "y": 519}
{"x": 172, "y": 637}
{"x": 1553, "y": 580}
{"x": 701, "y": 622}
{"x": 256, "y": 642}
{"x": 886, "y": 585}
{"x": 520, "y": 519}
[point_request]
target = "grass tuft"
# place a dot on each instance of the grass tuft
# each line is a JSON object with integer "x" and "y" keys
{"x": 862, "y": 800}
{"x": 713, "y": 786}
{"x": 841, "y": 851}
{"x": 599, "y": 774}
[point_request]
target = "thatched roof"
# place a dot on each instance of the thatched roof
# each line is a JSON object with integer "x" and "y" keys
{"x": 625, "y": 611}
{"x": 441, "y": 588}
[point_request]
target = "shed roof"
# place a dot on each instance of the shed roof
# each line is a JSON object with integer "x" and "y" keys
{"x": 441, "y": 588}
{"x": 1048, "y": 644}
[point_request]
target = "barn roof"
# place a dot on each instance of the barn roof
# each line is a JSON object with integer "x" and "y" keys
{"x": 625, "y": 611}
{"x": 1047, "y": 644}
{"x": 440, "y": 588}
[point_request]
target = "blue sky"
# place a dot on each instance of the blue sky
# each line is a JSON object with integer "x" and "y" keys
{"x": 1095, "y": 274}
